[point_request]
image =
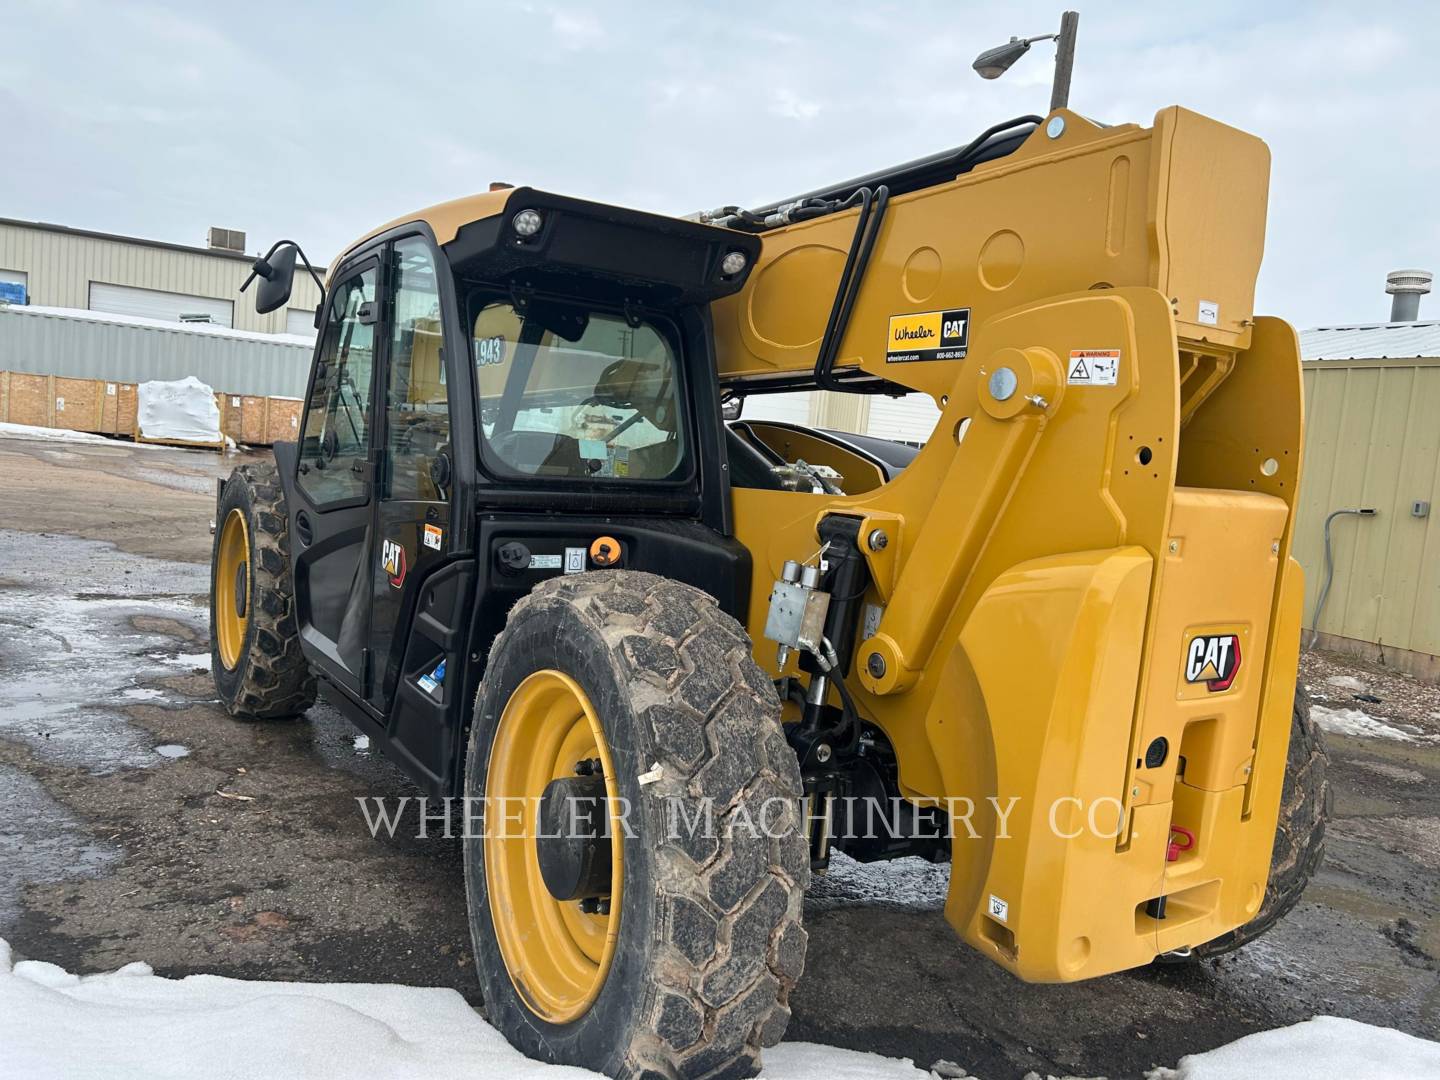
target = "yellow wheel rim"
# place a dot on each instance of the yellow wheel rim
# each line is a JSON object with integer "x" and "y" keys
{"x": 556, "y": 955}
{"x": 232, "y": 589}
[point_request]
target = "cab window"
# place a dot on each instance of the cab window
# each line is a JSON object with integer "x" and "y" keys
{"x": 417, "y": 414}
{"x": 575, "y": 393}
{"x": 336, "y": 441}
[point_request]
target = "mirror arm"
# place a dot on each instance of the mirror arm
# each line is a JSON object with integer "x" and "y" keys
{"x": 261, "y": 266}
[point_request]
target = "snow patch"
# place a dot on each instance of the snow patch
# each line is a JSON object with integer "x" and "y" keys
{"x": 50, "y": 434}
{"x": 55, "y": 1025}
{"x": 1324, "y": 1046}
{"x": 190, "y": 660}
{"x": 1357, "y": 723}
{"x": 1346, "y": 682}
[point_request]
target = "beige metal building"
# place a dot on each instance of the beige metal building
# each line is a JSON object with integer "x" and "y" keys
{"x": 60, "y": 267}
{"x": 908, "y": 419}
{"x": 1372, "y": 442}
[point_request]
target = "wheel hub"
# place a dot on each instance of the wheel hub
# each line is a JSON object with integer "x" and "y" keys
{"x": 230, "y": 593}
{"x": 549, "y": 747}
{"x": 242, "y": 589}
{"x": 573, "y": 844}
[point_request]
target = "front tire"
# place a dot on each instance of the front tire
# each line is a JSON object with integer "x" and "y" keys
{"x": 255, "y": 656}
{"x": 689, "y": 972}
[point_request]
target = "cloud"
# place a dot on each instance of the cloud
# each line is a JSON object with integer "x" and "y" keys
{"x": 576, "y": 30}
{"x": 792, "y": 106}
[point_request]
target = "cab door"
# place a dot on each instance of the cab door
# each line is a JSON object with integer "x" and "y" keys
{"x": 420, "y": 588}
{"x": 331, "y": 514}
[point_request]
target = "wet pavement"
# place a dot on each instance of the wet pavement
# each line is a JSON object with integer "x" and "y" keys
{"x": 142, "y": 823}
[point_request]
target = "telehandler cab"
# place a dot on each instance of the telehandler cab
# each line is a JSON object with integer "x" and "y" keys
{"x": 523, "y": 550}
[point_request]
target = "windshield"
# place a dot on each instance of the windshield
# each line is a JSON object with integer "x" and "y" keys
{"x": 566, "y": 392}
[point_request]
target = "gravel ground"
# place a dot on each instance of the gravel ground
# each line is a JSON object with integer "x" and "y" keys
{"x": 142, "y": 822}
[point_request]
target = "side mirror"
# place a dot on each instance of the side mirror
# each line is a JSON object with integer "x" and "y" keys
{"x": 277, "y": 276}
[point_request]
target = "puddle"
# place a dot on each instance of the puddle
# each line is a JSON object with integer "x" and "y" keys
{"x": 202, "y": 484}
{"x": 173, "y": 750}
{"x": 41, "y": 842}
{"x": 335, "y": 742}
{"x": 71, "y": 662}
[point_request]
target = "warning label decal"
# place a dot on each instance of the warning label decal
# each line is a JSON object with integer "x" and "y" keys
{"x": 1093, "y": 367}
{"x": 928, "y": 335}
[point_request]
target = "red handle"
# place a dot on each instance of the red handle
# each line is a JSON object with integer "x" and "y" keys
{"x": 1172, "y": 852}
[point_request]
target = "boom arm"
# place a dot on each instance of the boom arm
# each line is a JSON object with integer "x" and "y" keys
{"x": 1111, "y": 481}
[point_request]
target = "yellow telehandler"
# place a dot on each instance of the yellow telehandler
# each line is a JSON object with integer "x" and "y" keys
{"x": 673, "y": 659}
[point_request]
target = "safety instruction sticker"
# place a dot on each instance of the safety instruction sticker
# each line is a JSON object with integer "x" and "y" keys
{"x": 574, "y": 560}
{"x": 1093, "y": 367}
{"x": 544, "y": 562}
{"x": 434, "y": 535}
{"x": 998, "y": 909}
{"x": 928, "y": 335}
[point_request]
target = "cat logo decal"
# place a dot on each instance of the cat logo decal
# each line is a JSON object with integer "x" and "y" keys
{"x": 392, "y": 561}
{"x": 1213, "y": 659}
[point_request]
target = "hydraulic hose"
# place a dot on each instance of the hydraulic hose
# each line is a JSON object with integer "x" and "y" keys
{"x": 1367, "y": 511}
{"x": 867, "y": 228}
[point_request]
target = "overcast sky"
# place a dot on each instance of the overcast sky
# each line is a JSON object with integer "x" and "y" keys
{"x": 318, "y": 121}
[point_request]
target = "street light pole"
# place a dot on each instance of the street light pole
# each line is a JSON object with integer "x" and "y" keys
{"x": 1064, "y": 60}
{"x": 992, "y": 63}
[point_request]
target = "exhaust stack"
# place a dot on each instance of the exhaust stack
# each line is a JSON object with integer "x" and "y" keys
{"x": 1407, "y": 286}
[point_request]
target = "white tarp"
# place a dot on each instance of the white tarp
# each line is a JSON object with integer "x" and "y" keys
{"x": 184, "y": 409}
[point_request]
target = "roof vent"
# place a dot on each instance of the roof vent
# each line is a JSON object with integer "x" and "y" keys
{"x": 1407, "y": 286}
{"x": 225, "y": 240}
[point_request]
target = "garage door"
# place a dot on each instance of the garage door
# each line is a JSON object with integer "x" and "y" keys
{"x": 791, "y": 408}
{"x": 153, "y": 304}
{"x": 300, "y": 321}
{"x": 905, "y": 419}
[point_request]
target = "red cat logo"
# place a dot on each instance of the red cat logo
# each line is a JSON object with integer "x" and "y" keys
{"x": 1213, "y": 659}
{"x": 392, "y": 561}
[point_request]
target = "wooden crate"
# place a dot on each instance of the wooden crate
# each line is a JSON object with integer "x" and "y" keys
{"x": 127, "y": 408}
{"x": 28, "y": 399}
{"x": 78, "y": 404}
{"x": 282, "y": 421}
{"x": 112, "y": 408}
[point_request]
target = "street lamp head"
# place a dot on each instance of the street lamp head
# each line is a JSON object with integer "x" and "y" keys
{"x": 992, "y": 63}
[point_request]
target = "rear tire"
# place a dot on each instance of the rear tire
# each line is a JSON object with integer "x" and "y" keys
{"x": 255, "y": 656}
{"x": 1305, "y": 803}
{"x": 708, "y": 942}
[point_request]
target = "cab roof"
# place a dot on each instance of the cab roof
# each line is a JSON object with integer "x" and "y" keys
{"x": 590, "y": 250}
{"x": 444, "y": 219}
